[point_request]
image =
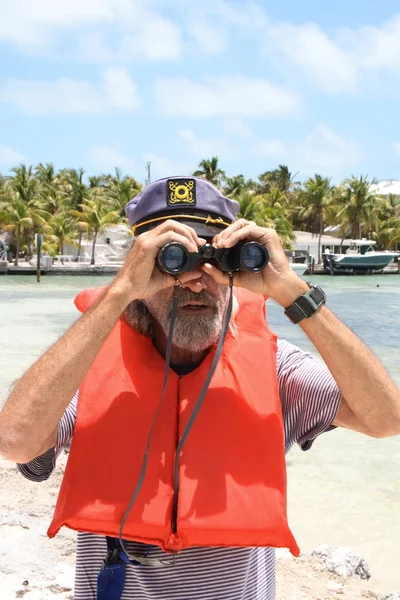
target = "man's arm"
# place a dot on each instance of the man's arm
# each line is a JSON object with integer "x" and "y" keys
{"x": 371, "y": 403}
{"x": 29, "y": 419}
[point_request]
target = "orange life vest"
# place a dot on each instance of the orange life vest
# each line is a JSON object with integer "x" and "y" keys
{"x": 232, "y": 475}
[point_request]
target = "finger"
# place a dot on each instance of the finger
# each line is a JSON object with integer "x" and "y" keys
{"x": 218, "y": 276}
{"x": 225, "y": 234}
{"x": 250, "y": 232}
{"x": 182, "y": 229}
{"x": 153, "y": 245}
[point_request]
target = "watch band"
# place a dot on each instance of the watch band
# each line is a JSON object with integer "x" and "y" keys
{"x": 307, "y": 305}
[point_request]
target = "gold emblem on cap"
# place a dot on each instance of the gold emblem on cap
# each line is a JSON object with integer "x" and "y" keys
{"x": 181, "y": 192}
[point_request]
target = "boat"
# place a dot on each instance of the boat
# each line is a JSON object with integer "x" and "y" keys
{"x": 359, "y": 258}
{"x": 298, "y": 260}
{"x": 300, "y": 268}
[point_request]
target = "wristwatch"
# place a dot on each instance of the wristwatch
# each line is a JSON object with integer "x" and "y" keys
{"x": 307, "y": 305}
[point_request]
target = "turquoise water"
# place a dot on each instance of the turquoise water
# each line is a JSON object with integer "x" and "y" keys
{"x": 346, "y": 490}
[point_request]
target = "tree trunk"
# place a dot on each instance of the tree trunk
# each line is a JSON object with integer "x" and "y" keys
{"x": 342, "y": 240}
{"x": 92, "y": 260}
{"x": 18, "y": 242}
{"x": 321, "y": 230}
{"x": 79, "y": 245}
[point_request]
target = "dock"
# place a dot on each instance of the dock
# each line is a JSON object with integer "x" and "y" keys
{"x": 78, "y": 270}
{"x": 112, "y": 269}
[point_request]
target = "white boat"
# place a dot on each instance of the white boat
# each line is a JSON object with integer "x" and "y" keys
{"x": 300, "y": 268}
{"x": 359, "y": 258}
{"x": 298, "y": 261}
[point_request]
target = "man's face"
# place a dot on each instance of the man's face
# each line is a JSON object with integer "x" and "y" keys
{"x": 200, "y": 314}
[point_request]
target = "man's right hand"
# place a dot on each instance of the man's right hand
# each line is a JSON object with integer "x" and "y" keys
{"x": 139, "y": 278}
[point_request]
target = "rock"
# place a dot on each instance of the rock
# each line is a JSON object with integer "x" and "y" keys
{"x": 344, "y": 562}
{"x": 395, "y": 596}
{"x": 334, "y": 586}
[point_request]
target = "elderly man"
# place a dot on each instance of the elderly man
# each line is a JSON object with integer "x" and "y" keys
{"x": 176, "y": 479}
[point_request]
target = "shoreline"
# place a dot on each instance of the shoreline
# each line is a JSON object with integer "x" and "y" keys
{"x": 33, "y": 565}
{"x": 112, "y": 269}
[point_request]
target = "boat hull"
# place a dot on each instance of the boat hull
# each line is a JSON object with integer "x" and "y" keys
{"x": 357, "y": 264}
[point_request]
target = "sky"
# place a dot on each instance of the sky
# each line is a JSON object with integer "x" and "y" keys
{"x": 100, "y": 84}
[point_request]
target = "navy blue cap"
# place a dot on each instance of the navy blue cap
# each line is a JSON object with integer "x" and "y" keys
{"x": 191, "y": 200}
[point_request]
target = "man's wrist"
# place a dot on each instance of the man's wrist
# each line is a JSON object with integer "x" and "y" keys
{"x": 290, "y": 290}
{"x": 118, "y": 298}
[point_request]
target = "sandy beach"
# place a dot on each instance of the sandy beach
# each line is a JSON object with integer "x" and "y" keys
{"x": 36, "y": 568}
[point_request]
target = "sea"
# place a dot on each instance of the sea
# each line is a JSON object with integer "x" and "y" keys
{"x": 345, "y": 491}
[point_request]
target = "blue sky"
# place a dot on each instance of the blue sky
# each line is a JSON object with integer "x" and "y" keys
{"x": 104, "y": 83}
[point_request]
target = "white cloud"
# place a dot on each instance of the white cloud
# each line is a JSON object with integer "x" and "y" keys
{"x": 309, "y": 49}
{"x": 322, "y": 150}
{"x": 375, "y": 47}
{"x": 237, "y": 128}
{"x": 117, "y": 91}
{"x": 120, "y": 90}
{"x": 105, "y": 157}
{"x": 224, "y": 96}
{"x": 274, "y": 148}
{"x": 341, "y": 62}
{"x": 210, "y": 40}
{"x": 10, "y": 157}
{"x": 202, "y": 147}
{"x": 105, "y": 30}
{"x": 396, "y": 147}
{"x": 35, "y": 23}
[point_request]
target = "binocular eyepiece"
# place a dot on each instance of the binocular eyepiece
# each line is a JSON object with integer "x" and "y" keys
{"x": 174, "y": 258}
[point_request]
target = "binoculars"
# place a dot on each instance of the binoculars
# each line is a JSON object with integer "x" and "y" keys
{"x": 174, "y": 258}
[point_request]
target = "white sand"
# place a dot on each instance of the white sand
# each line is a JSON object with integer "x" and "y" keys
{"x": 36, "y": 568}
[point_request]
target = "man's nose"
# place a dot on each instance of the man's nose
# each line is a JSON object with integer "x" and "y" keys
{"x": 197, "y": 283}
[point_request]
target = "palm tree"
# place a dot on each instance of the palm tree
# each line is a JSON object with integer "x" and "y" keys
{"x": 249, "y": 207}
{"x": 95, "y": 215}
{"x": 19, "y": 217}
{"x": 209, "y": 169}
{"x": 24, "y": 183}
{"x": 61, "y": 231}
{"x": 74, "y": 187}
{"x": 121, "y": 189}
{"x": 385, "y": 226}
{"x": 236, "y": 185}
{"x": 359, "y": 204}
{"x": 315, "y": 197}
{"x": 281, "y": 178}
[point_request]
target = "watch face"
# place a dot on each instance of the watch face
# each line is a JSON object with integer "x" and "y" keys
{"x": 317, "y": 294}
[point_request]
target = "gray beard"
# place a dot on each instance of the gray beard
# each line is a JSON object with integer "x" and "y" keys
{"x": 192, "y": 333}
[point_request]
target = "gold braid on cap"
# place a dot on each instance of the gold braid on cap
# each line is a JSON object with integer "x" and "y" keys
{"x": 206, "y": 220}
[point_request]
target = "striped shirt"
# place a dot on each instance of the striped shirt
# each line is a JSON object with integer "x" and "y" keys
{"x": 310, "y": 400}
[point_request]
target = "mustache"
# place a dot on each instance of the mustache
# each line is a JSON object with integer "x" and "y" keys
{"x": 186, "y": 296}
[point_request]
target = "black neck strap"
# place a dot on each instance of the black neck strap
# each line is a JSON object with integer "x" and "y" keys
{"x": 192, "y": 418}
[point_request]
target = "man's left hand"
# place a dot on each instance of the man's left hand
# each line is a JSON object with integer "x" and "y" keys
{"x": 277, "y": 280}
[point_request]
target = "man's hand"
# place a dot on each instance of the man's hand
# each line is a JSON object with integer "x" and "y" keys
{"x": 139, "y": 278}
{"x": 277, "y": 280}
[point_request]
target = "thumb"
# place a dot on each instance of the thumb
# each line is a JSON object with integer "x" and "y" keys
{"x": 216, "y": 274}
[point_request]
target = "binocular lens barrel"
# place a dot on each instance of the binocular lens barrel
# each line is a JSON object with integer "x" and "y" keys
{"x": 173, "y": 257}
{"x": 252, "y": 257}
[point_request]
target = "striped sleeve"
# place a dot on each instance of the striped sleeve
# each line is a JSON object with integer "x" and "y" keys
{"x": 309, "y": 395}
{"x": 41, "y": 467}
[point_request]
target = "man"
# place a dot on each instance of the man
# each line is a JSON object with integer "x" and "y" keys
{"x": 228, "y": 512}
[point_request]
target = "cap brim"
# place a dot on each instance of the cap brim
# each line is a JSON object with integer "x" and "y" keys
{"x": 203, "y": 230}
